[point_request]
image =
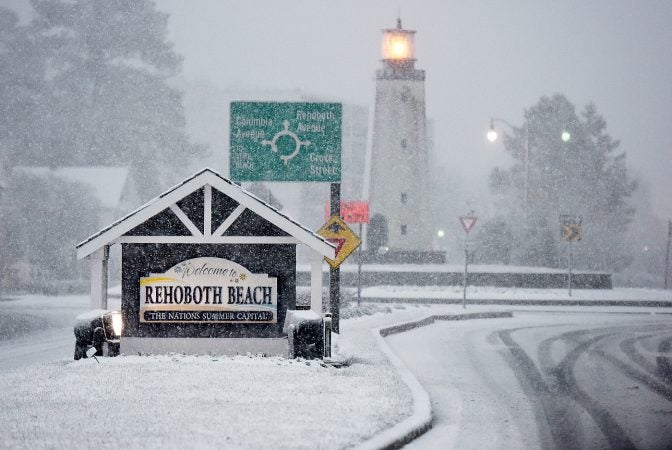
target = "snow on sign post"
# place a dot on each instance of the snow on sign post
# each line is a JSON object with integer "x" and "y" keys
{"x": 354, "y": 211}
{"x": 351, "y": 211}
{"x": 287, "y": 141}
{"x": 337, "y": 232}
{"x": 207, "y": 267}
{"x": 570, "y": 231}
{"x": 468, "y": 222}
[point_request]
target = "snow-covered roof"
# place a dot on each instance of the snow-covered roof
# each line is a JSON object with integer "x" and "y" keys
{"x": 107, "y": 182}
{"x": 209, "y": 179}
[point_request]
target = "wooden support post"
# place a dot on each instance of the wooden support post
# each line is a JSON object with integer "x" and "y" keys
{"x": 316, "y": 282}
{"x": 99, "y": 260}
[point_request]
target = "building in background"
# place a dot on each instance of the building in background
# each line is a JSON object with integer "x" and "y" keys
{"x": 401, "y": 226}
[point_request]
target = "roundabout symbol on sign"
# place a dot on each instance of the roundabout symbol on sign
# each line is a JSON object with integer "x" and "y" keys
{"x": 297, "y": 147}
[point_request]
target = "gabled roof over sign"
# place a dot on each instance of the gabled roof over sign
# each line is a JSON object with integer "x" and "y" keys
{"x": 213, "y": 204}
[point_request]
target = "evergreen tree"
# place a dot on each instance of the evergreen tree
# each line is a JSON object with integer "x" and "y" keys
{"x": 104, "y": 95}
{"x": 584, "y": 176}
{"x": 21, "y": 82}
{"x": 42, "y": 220}
{"x": 493, "y": 241}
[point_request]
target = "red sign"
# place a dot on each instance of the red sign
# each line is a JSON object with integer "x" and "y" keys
{"x": 352, "y": 211}
{"x": 468, "y": 222}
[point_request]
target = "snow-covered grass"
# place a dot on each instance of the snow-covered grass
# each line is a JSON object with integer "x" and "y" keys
{"x": 181, "y": 401}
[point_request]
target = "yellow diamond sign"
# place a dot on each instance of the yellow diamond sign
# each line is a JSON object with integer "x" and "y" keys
{"x": 570, "y": 228}
{"x": 338, "y": 233}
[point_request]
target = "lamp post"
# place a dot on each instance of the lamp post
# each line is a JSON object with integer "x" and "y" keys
{"x": 492, "y": 137}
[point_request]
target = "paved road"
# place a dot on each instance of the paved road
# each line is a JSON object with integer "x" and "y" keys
{"x": 545, "y": 380}
{"x": 38, "y": 329}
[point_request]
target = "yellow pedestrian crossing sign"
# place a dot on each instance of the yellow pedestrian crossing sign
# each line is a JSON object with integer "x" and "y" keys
{"x": 337, "y": 232}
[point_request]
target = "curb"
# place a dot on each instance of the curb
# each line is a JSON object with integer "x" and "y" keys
{"x": 421, "y": 419}
{"x": 528, "y": 302}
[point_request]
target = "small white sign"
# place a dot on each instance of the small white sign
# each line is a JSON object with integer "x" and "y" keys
{"x": 208, "y": 290}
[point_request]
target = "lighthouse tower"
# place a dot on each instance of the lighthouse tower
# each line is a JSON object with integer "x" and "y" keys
{"x": 400, "y": 229}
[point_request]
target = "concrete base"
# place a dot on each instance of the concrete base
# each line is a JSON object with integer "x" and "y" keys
{"x": 205, "y": 346}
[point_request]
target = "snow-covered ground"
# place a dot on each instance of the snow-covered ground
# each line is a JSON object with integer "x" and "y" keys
{"x": 179, "y": 401}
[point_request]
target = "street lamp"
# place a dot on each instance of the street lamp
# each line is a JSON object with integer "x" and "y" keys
{"x": 492, "y": 137}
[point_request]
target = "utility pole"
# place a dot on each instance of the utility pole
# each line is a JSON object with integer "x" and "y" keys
{"x": 335, "y": 273}
{"x": 667, "y": 254}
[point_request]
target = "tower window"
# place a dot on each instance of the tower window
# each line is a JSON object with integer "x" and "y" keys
{"x": 403, "y": 230}
{"x": 404, "y": 198}
{"x": 405, "y": 94}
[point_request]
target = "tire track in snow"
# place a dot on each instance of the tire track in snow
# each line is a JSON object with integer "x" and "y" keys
{"x": 561, "y": 396}
{"x": 628, "y": 347}
{"x": 664, "y": 363}
{"x": 536, "y": 388}
{"x": 564, "y": 375}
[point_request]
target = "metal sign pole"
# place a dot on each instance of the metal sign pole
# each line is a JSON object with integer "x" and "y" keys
{"x": 466, "y": 262}
{"x": 667, "y": 254}
{"x": 359, "y": 269}
{"x": 468, "y": 223}
{"x": 335, "y": 273}
{"x": 570, "y": 268}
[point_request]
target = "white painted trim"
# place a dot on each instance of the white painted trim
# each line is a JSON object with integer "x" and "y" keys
{"x": 229, "y": 220}
{"x": 260, "y": 208}
{"x": 207, "y": 210}
{"x": 139, "y": 216}
{"x": 207, "y": 176}
{"x": 316, "y": 282}
{"x": 185, "y": 220}
{"x": 204, "y": 240}
{"x": 204, "y": 346}
{"x": 98, "y": 264}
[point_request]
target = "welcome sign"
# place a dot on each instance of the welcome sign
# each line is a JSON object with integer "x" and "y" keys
{"x": 208, "y": 290}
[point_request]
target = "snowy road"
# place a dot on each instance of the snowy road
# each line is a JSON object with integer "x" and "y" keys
{"x": 38, "y": 329}
{"x": 54, "y": 344}
{"x": 563, "y": 380}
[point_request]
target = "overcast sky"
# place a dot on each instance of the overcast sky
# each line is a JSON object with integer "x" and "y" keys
{"x": 482, "y": 58}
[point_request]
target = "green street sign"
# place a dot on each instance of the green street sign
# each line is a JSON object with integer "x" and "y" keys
{"x": 288, "y": 141}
